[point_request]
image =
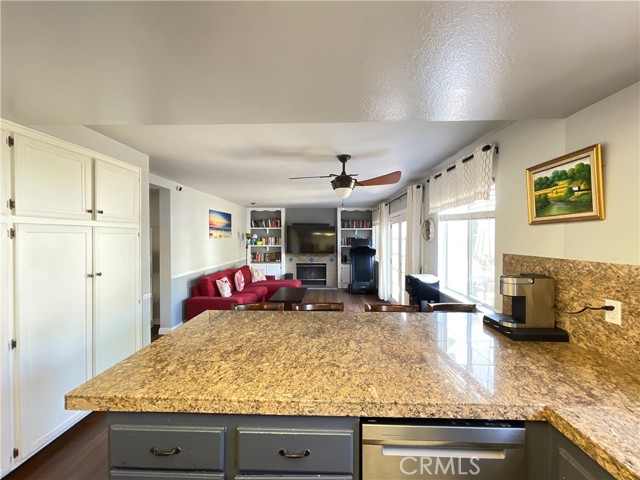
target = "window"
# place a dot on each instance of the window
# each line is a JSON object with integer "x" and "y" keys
{"x": 466, "y": 250}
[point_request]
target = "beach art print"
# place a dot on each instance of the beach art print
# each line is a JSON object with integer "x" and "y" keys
{"x": 219, "y": 224}
{"x": 566, "y": 189}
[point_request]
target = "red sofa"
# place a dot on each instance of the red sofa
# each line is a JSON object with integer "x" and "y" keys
{"x": 206, "y": 296}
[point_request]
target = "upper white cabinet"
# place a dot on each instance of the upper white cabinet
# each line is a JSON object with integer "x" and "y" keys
{"x": 53, "y": 181}
{"x": 50, "y": 180}
{"x": 5, "y": 173}
{"x": 117, "y": 192}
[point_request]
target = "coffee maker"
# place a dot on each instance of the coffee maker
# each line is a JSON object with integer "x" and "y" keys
{"x": 532, "y": 300}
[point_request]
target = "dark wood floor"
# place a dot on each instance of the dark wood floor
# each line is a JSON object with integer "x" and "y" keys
{"x": 81, "y": 452}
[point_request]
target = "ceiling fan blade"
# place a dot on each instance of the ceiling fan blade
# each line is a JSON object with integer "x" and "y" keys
{"x": 317, "y": 176}
{"x": 388, "y": 179}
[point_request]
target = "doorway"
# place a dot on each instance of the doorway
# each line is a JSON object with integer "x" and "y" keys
{"x": 160, "y": 244}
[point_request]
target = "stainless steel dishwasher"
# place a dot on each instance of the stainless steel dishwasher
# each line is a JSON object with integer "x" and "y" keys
{"x": 443, "y": 449}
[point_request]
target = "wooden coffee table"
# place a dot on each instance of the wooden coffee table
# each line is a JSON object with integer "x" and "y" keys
{"x": 288, "y": 296}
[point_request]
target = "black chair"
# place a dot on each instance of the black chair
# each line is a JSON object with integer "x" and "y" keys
{"x": 308, "y": 307}
{"x": 451, "y": 307}
{"x": 388, "y": 307}
{"x": 258, "y": 306}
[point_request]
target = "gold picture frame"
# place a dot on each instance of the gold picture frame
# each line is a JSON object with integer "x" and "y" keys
{"x": 567, "y": 188}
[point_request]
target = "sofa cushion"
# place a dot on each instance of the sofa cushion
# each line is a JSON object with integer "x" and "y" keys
{"x": 208, "y": 286}
{"x": 224, "y": 287}
{"x": 260, "y": 290}
{"x": 238, "y": 280}
{"x": 257, "y": 275}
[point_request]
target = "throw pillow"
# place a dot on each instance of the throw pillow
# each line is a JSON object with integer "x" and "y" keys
{"x": 224, "y": 287}
{"x": 238, "y": 279}
{"x": 257, "y": 275}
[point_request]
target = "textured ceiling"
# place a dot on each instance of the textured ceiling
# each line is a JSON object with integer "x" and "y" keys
{"x": 232, "y": 97}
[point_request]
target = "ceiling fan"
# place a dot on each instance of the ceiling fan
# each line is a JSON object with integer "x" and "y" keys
{"x": 343, "y": 184}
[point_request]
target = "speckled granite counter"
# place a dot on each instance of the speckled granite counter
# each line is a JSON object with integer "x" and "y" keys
{"x": 377, "y": 364}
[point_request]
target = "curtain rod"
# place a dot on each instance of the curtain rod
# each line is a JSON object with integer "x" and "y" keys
{"x": 400, "y": 196}
{"x": 464, "y": 160}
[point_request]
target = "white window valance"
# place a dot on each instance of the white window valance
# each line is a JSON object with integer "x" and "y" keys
{"x": 464, "y": 182}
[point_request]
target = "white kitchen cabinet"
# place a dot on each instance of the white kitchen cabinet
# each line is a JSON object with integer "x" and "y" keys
{"x": 6, "y": 356}
{"x": 51, "y": 180}
{"x": 117, "y": 192}
{"x": 53, "y": 309}
{"x": 71, "y": 303}
{"x": 5, "y": 173}
{"x": 117, "y": 332}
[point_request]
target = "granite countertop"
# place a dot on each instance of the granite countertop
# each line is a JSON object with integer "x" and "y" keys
{"x": 377, "y": 364}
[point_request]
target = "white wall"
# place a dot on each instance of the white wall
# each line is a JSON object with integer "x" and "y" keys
{"x": 613, "y": 122}
{"x": 192, "y": 249}
{"x": 193, "y": 253}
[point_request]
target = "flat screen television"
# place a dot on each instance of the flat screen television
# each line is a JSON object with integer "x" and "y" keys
{"x": 309, "y": 238}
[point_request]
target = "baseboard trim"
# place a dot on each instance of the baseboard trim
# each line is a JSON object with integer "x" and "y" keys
{"x": 164, "y": 331}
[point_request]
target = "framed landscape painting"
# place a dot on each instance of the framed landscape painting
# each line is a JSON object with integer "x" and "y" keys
{"x": 219, "y": 224}
{"x": 566, "y": 189}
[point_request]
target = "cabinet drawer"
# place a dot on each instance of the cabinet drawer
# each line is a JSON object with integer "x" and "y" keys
{"x": 303, "y": 451}
{"x": 194, "y": 448}
{"x": 164, "y": 475}
{"x": 293, "y": 477}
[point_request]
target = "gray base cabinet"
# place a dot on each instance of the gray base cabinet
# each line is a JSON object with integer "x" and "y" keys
{"x": 552, "y": 456}
{"x": 232, "y": 447}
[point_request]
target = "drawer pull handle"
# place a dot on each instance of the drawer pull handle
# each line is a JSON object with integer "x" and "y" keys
{"x": 284, "y": 453}
{"x": 165, "y": 453}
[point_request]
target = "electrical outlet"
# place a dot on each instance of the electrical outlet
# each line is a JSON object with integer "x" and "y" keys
{"x": 613, "y": 316}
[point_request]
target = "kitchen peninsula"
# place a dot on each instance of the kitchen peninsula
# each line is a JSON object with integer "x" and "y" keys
{"x": 306, "y": 366}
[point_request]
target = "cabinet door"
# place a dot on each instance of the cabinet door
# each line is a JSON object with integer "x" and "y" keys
{"x": 117, "y": 326}
{"x": 51, "y": 180}
{"x": 5, "y": 173}
{"x": 6, "y": 355}
{"x": 273, "y": 269}
{"x": 53, "y": 310}
{"x": 117, "y": 191}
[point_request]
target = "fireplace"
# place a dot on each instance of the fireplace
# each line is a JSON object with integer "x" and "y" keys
{"x": 312, "y": 273}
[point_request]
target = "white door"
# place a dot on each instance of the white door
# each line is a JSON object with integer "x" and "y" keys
{"x": 51, "y": 180}
{"x": 117, "y": 323}
{"x": 398, "y": 254}
{"x": 53, "y": 318}
{"x": 117, "y": 191}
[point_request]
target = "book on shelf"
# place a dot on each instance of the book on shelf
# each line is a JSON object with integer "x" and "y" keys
{"x": 356, "y": 223}
{"x": 266, "y": 257}
{"x": 266, "y": 223}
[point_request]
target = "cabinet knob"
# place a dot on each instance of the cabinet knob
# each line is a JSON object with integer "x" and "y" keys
{"x": 90, "y": 275}
{"x": 100, "y": 211}
{"x": 165, "y": 453}
{"x": 89, "y": 210}
{"x": 286, "y": 454}
{"x": 99, "y": 274}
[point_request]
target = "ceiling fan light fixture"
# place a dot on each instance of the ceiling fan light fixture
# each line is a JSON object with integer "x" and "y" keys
{"x": 343, "y": 185}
